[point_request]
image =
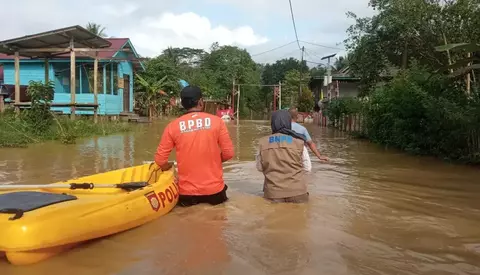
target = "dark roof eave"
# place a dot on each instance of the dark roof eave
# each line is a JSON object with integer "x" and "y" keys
{"x": 337, "y": 78}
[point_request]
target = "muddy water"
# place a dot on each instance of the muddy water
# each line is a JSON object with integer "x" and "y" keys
{"x": 371, "y": 212}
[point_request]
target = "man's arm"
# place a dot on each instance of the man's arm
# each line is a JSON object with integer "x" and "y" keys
{"x": 314, "y": 149}
{"x": 225, "y": 142}
{"x": 307, "y": 164}
{"x": 312, "y": 146}
{"x": 164, "y": 149}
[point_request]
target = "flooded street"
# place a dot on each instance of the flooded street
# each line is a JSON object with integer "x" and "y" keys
{"x": 371, "y": 211}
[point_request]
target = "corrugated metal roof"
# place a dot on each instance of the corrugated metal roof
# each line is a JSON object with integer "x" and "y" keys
{"x": 59, "y": 38}
{"x": 116, "y": 43}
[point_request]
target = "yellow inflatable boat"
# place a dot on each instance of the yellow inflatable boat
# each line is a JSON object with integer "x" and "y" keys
{"x": 38, "y": 222}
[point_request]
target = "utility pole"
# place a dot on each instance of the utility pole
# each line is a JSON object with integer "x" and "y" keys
{"x": 328, "y": 79}
{"x": 238, "y": 105}
{"x": 301, "y": 76}
{"x": 233, "y": 95}
{"x": 280, "y": 95}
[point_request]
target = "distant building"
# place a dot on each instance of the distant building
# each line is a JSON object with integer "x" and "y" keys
{"x": 342, "y": 81}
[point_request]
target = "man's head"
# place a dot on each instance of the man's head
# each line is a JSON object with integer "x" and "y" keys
{"x": 293, "y": 113}
{"x": 191, "y": 97}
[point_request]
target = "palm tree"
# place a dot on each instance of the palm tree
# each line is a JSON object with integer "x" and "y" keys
{"x": 96, "y": 29}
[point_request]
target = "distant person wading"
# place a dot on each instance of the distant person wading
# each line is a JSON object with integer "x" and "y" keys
{"x": 304, "y": 132}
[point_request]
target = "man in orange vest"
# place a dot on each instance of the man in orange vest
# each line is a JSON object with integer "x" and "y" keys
{"x": 202, "y": 143}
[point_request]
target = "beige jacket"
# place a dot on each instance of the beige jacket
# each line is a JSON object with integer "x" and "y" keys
{"x": 284, "y": 161}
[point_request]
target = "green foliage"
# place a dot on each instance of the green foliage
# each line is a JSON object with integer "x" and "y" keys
{"x": 15, "y": 131}
{"x": 152, "y": 94}
{"x": 276, "y": 72}
{"x": 424, "y": 114}
{"x": 214, "y": 72}
{"x": 465, "y": 65}
{"x": 39, "y": 117}
{"x": 39, "y": 124}
{"x": 343, "y": 106}
{"x": 306, "y": 101}
{"x": 412, "y": 56}
{"x": 96, "y": 29}
{"x": 404, "y": 30}
{"x": 291, "y": 88}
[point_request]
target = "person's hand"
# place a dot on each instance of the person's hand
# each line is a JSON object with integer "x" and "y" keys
{"x": 323, "y": 158}
{"x": 166, "y": 166}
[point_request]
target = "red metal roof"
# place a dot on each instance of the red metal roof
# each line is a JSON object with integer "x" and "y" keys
{"x": 117, "y": 44}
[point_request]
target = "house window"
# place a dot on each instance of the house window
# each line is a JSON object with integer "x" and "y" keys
{"x": 91, "y": 82}
{"x": 111, "y": 76}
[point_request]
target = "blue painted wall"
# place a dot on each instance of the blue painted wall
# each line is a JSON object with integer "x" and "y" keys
{"x": 111, "y": 101}
{"x": 125, "y": 67}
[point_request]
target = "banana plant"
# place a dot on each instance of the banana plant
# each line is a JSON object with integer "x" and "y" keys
{"x": 152, "y": 93}
{"x": 463, "y": 66}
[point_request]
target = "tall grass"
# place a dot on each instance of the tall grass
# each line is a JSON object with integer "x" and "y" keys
{"x": 15, "y": 131}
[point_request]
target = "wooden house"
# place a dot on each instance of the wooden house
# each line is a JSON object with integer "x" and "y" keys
{"x": 101, "y": 70}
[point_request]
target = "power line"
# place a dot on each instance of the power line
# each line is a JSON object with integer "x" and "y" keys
{"x": 271, "y": 50}
{"x": 312, "y": 53}
{"x": 323, "y": 46}
{"x": 289, "y": 54}
{"x": 294, "y": 26}
{"x": 318, "y": 63}
{"x": 315, "y": 63}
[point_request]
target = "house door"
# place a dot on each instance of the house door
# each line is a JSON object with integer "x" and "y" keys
{"x": 126, "y": 93}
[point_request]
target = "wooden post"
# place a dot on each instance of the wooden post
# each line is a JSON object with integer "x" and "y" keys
{"x": 17, "y": 82}
{"x": 468, "y": 77}
{"x": 2, "y": 105}
{"x": 95, "y": 88}
{"x": 238, "y": 104}
{"x": 73, "y": 82}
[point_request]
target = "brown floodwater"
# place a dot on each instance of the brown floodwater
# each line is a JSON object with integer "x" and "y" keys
{"x": 372, "y": 211}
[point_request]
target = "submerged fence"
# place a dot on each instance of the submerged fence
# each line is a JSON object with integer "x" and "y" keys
{"x": 347, "y": 123}
{"x": 468, "y": 144}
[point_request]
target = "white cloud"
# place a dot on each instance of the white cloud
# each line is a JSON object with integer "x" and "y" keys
{"x": 153, "y": 34}
{"x": 119, "y": 10}
{"x": 154, "y": 25}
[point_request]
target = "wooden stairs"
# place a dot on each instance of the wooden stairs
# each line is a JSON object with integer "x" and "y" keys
{"x": 133, "y": 117}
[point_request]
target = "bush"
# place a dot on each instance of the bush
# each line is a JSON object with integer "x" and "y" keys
{"x": 424, "y": 114}
{"x": 306, "y": 101}
{"x": 39, "y": 116}
{"x": 337, "y": 108}
{"x": 40, "y": 124}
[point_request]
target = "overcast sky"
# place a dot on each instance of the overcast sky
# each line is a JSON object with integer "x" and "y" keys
{"x": 153, "y": 25}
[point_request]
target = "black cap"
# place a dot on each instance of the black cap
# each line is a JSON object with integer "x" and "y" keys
{"x": 191, "y": 92}
{"x": 190, "y": 96}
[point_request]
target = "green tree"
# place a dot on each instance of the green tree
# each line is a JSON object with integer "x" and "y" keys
{"x": 152, "y": 94}
{"x": 96, "y": 29}
{"x": 291, "y": 87}
{"x": 276, "y": 72}
{"x": 405, "y": 30}
{"x": 307, "y": 101}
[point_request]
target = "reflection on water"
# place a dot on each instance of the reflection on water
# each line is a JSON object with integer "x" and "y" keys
{"x": 371, "y": 212}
